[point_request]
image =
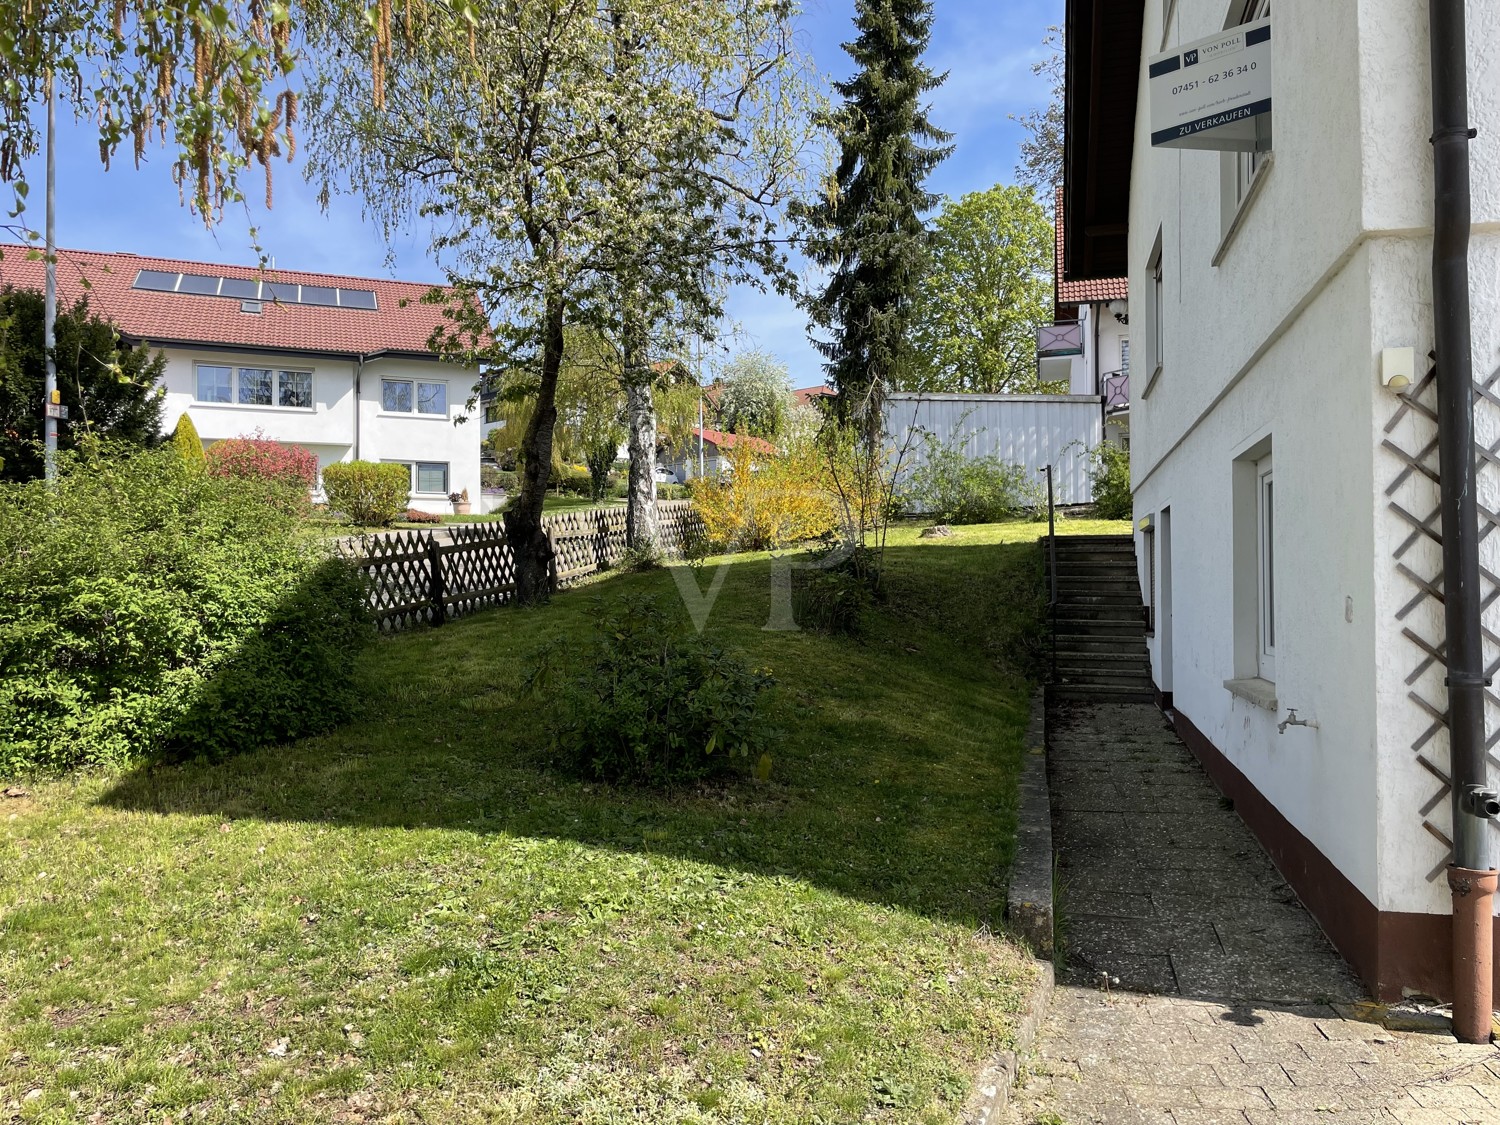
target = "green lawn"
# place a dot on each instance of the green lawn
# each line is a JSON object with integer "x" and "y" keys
{"x": 415, "y": 918}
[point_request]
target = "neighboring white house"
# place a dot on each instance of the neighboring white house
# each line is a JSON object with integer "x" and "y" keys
{"x": 338, "y": 365}
{"x": 1285, "y": 501}
{"x": 707, "y": 453}
{"x": 1088, "y": 344}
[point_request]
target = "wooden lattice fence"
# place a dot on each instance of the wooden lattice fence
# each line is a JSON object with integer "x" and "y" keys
{"x": 429, "y": 577}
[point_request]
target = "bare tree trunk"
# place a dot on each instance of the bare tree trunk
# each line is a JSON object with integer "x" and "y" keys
{"x": 641, "y": 528}
{"x": 523, "y": 519}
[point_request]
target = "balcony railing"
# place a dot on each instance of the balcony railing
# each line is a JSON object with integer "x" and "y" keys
{"x": 1065, "y": 338}
{"x": 1117, "y": 392}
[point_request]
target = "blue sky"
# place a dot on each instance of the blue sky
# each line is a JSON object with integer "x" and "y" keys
{"x": 987, "y": 46}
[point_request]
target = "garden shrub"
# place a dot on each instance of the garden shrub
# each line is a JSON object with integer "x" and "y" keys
{"x": 952, "y": 487}
{"x": 256, "y": 456}
{"x": 368, "y": 493}
{"x": 416, "y": 515}
{"x": 148, "y": 607}
{"x": 833, "y": 597}
{"x": 492, "y": 477}
{"x": 671, "y": 492}
{"x": 654, "y": 704}
{"x": 767, "y": 500}
{"x": 1109, "y": 469}
{"x": 189, "y": 446}
{"x": 573, "y": 481}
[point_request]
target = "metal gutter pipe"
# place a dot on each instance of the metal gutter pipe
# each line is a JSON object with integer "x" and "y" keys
{"x": 1470, "y": 878}
{"x": 359, "y": 372}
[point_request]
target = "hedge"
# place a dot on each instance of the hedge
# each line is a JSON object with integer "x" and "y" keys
{"x": 150, "y": 608}
{"x": 368, "y": 493}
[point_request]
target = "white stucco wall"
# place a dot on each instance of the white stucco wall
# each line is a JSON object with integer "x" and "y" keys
{"x": 1275, "y": 333}
{"x": 328, "y": 429}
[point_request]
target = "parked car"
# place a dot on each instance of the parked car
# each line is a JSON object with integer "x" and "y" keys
{"x": 665, "y": 475}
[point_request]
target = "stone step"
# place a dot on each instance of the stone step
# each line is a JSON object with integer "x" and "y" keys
{"x": 1094, "y": 627}
{"x": 1102, "y": 611}
{"x": 1138, "y": 679}
{"x": 1091, "y": 694}
{"x": 1135, "y": 658}
{"x": 1098, "y": 597}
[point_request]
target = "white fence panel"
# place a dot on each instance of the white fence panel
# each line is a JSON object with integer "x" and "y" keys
{"x": 1028, "y": 430}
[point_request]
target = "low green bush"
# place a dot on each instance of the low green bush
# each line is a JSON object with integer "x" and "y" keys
{"x": 368, "y": 493}
{"x": 492, "y": 476}
{"x": 954, "y": 488}
{"x": 655, "y": 705}
{"x": 1109, "y": 469}
{"x": 833, "y": 598}
{"x": 148, "y": 607}
{"x": 672, "y": 492}
{"x": 573, "y": 482}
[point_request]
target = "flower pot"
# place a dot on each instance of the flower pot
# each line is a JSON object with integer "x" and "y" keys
{"x": 460, "y": 507}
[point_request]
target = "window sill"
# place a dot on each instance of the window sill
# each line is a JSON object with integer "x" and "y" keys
{"x": 1252, "y": 193}
{"x": 413, "y": 414}
{"x": 254, "y": 406}
{"x": 1253, "y": 689}
{"x": 1151, "y": 382}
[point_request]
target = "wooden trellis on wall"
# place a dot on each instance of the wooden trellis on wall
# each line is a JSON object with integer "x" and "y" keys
{"x": 1412, "y": 496}
{"x": 418, "y": 577}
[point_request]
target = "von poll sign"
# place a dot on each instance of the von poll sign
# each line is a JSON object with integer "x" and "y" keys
{"x": 1215, "y": 93}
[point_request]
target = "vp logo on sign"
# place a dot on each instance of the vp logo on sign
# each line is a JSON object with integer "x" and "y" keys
{"x": 1190, "y": 58}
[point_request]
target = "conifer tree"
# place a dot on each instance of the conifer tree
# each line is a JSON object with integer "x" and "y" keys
{"x": 867, "y": 229}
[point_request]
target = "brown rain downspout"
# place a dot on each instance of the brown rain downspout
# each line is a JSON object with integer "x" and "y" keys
{"x": 1471, "y": 877}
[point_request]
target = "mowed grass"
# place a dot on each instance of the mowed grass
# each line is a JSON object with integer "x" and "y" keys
{"x": 417, "y": 918}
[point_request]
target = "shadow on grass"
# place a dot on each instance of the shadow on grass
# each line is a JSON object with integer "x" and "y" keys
{"x": 895, "y": 781}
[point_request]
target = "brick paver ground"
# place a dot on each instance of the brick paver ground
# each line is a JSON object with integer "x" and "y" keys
{"x": 1197, "y": 990}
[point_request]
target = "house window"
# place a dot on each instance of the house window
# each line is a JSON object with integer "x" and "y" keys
{"x": 1124, "y": 356}
{"x": 254, "y": 386}
{"x": 1239, "y": 170}
{"x": 1254, "y": 573}
{"x": 494, "y": 412}
{"x": 1155, "y": 299}
{"x": 215, "y": 384}
{"x": 295, "y": 389}
{"x": 427, "y": 477}
{"x": 1266, "y": 569}
{"x": 1148, "y": 553}
{"x": 404, "y": 396}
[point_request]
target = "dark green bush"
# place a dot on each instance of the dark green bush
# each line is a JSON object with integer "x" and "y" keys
{"x": 573, "y": 482}
{"x": 368, "y": 493}
{"x": 146, "y": 606}
{"x": 492, "y": 476}
{"x": 833, "y": 598}
{"x": 672, "y": 492}
{"x": 1109, "y": 468}
{"x": 655, "y": 705}
{"x": 952, "y": 487}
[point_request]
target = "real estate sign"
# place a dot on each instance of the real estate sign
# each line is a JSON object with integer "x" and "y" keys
{"x": 1215, "y": 93}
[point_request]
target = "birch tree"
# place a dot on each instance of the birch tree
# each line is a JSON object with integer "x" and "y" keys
{"x": 578, "y": 164}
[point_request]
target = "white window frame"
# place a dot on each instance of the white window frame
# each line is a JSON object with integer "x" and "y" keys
{"x": 1265, "y": 566}
{"x": 416, "y": 410}
{"x": 236, "y": 371}
{"x": 1241, "y": 173}
{"x": 1155, "y": 317}
{"x": 412, "y": 477}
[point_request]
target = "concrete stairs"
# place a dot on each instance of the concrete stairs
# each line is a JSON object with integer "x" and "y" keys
{"x": 1100, "y": 622}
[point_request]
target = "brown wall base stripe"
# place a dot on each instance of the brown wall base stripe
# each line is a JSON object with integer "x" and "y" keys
{"x": 1389, "y": 950}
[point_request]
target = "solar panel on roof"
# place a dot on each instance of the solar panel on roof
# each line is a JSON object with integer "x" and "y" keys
{"x": 249, "y": 289}
{"x": 356, "y": 298}
{"x": 199, "y": 284}
{"x": 158, "y": 280}
{"x": 240, "y": 287}
{"x": 319, "y": 295}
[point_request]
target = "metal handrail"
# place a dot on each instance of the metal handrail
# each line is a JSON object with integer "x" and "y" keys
{"x": 1052, "y": 568}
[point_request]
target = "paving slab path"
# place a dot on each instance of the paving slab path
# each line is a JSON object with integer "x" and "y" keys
{"x": 1197, "y": 990}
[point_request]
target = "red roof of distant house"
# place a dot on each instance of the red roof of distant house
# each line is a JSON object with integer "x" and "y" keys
{"x": 805, "y": 395}
{"x": 1082, "y": 292}
{"x": 729, "y": 441}
{"x": 401, "y": 322}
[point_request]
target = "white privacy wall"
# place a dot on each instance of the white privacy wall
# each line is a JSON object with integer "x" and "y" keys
{"x": 1032, "y": 431}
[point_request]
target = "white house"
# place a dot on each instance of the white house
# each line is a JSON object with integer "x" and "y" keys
{"x": 1286, "y": 500}
{"x": 341, "y": 366}
{"x": 1087, "y": 346}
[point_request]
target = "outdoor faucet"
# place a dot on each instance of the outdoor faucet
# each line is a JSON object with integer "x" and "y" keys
{"x": 1291, "y": 720}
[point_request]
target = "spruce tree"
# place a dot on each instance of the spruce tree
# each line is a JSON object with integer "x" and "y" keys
{"x": 867, "y": 230}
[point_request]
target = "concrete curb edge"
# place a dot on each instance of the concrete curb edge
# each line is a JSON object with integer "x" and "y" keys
{"x": 1031, "y": 891}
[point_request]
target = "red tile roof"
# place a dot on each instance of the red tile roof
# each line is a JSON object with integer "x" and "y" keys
{"x": 729, "y": 441}
{"x": 1082, "y": 292}
{"x": 805, "y": 395}
{"x": 163, "y": 318}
